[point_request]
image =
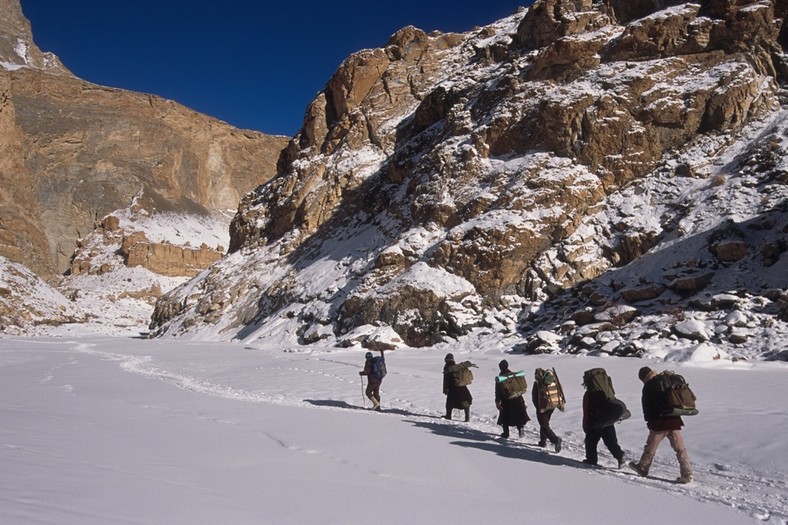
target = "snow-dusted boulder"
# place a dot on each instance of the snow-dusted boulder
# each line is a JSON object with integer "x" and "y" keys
{"x": 423, "y": 304}
{"x": 692, "y": 329}
{"x": 702, "y": 353}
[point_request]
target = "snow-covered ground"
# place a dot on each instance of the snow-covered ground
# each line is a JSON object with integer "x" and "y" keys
{"x": 124, "y": 430}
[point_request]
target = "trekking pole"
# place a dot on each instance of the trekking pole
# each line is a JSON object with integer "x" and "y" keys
{"x": 363, "y": 398}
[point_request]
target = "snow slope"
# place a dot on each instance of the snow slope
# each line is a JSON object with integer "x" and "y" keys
{"x": 115, "y": 430}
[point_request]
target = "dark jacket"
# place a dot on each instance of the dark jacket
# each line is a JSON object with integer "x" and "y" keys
{"x": 513, "y": 412}
{"x": 587, "y": 412}
{"x": 594, "y": 410}
{"x": 535, "y": 395}
{"x": 538, "y": 396}
{"x": 600, "y": 412}
{"x": 651, "y": 400}
{"x": 456, "y": 396}
{"x": 372, "y": 378}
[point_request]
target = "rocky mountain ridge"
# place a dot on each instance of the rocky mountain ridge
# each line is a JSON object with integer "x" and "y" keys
{"x": 91, "y": 177}
{"x": 583, "y": 176}
{"x": 72, "y": 152}
{"x": 499, "y": 181}
{"x": 17, "y": 49}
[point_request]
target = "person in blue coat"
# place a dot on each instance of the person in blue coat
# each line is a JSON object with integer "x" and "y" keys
{"x": 373, "y": 380}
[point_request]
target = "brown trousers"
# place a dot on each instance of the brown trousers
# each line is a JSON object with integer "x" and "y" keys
{"x": 373, "y": 392}
{"x": 676, "y": 441}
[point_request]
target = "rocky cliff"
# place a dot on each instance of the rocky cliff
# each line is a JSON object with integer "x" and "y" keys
{"x": 451, "y": 182}
{"x": 72, "y": 152}
{"x": 579, "y": 164}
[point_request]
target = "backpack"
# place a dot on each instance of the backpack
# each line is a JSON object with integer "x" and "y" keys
{"x": 606, "y": 409}
{"x": 677, "y": 399}
{"x": 379, "y": 367}
{"x": 550, "y": 393}
{"x": 513, "y": 385}
{"x": 461, "y": 374}
{"x": 609, "y": 412}
{"x": 599, "y": 383}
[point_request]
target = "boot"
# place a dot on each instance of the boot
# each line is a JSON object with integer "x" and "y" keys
{"x": 645, "y": 462}
{"x": 642, "y": 472}
{"x": 684, "y": 479}
{"x": 558, "y": 443}
{"x": 685, "y": 469}
{"x": 467, "y": 414}
{"x": 448, "y": 415}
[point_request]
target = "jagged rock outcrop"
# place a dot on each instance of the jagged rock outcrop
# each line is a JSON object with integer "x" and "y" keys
{"x": 72, "y": 152}
{"x": 162, "y": 258}
{"x": 503, "y": 159}
{"x": 168, "y": 259}
{"x": 550, "y": 20}
{"x": 17, "y": 49}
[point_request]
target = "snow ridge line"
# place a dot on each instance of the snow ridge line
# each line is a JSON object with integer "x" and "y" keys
{"x": 141, "y": 365}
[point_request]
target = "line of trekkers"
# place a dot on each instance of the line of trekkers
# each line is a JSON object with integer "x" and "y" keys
{"x": 665, "y": 398}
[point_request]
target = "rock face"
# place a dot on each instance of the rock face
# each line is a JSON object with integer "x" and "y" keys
{"x": 168, "y": 259}
{"x": 18, "y": 312}
{"x": 17, "y": 49}
{"x": 162, "y": 258}
{"x": 515, "y": 162}
{"x": 71, "y": 152}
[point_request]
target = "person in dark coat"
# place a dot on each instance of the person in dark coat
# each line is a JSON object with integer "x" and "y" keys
{"x": 511, "y": 412}
{"x": 543, "y": 416}
{"x": 456, "y": 396}
{"x": 660, "y": 427}
{"x": 373, "y": 381}
{"x": 593, "y": 413}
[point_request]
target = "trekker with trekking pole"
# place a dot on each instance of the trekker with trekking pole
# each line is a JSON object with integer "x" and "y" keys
{"x": 375, "y": 370}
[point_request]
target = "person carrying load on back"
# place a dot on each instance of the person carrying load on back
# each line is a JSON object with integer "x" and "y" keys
{"x": 601, "y": 411}
{"x": 456, "y": 378}
{"x": 509, "y": 401}
{"x": 659, "y": 427}
{"x": 547, "y": 395}
{"x": 375, "y": 370}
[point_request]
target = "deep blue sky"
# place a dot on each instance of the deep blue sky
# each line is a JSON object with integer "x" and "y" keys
{"x": 253, "y": 63}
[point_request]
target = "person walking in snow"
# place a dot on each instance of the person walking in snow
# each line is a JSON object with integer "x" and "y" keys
{"x": 596, "y": 426}
{"x": 511, "y": 412}
{"x": 456, "y": 396}
{"x": 375, "y": 370}
{"x": 659, "y": 428}
{"x": 544, "y": 413}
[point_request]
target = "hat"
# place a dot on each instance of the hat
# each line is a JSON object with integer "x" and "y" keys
{"x": 449, "y": 357}
{"x": 643, "y": 372}
{"x": 503, "y": 365}
{"x": 368, "y": 355}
